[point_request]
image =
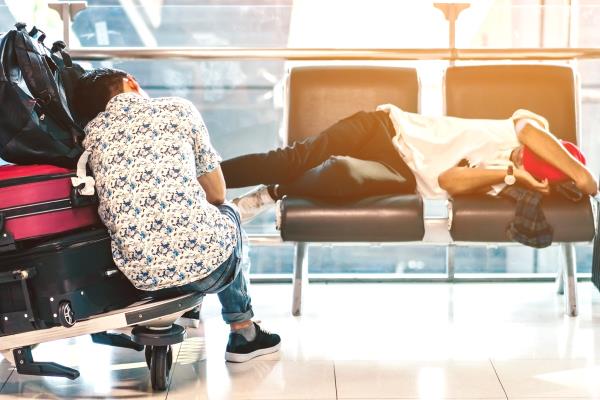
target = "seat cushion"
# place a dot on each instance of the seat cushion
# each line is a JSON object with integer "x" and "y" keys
{"x": 396, "y": 218}
{"x": 484, "y": 218}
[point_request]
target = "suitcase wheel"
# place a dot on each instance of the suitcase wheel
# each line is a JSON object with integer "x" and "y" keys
{"x": 65, "y": 314}
{"x": 159, "y": 360}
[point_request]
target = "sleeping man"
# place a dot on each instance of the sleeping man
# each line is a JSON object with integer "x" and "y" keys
{"x": 162, "y": 198}
{"x": 390, "y": 151}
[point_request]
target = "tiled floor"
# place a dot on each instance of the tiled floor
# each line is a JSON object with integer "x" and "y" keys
{"x": 362, "y": 341}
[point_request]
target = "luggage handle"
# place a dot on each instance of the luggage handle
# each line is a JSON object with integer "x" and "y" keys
{"x": 83, "y": 190}
{"x": 79, "y": 200}
{"x": 7, "y": 240}
{"x": 21, "y": 275}
{"x": 83, "y": 183}
{"x": 17, "y": 275}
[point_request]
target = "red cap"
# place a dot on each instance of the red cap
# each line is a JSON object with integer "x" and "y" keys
{"x": 541, "y": 169}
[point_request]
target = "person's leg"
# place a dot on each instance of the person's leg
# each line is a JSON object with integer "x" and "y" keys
{"x": 344, "y": 138}
{"x": 246, "y": 340}
{"x": 380, "y": 148}
{"x": 338, "y": 178}
{"x": 545, "y": 145}
{"x": 236, "y": 304}
{"x": 342, "y": 177}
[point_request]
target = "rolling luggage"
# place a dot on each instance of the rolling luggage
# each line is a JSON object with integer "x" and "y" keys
{"x": 60, "y": 282}
{"x": 38, "y": 201}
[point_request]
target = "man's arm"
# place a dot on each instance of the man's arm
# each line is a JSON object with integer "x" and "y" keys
{"x": 208, "y": 169}
{"x": 213, "y": 184}
{"x": 464, "y": 180}
{"x": 545, "y": 145}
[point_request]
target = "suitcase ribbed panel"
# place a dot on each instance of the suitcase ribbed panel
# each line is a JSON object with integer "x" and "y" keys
{"x": 51, "y": 223}
{"x": 35, "y": 202}
{"x": 36, "y": 192}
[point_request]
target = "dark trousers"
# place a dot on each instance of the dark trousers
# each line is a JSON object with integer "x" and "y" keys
{"x": 353, "y": 157}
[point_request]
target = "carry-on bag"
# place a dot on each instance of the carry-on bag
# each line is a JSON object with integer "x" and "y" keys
{"x": 38, "y": 201}
{"x": 36, "y": 90}
{"x": 60, "y": 282}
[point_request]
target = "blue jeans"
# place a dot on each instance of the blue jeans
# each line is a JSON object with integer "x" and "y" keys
{"x": 227, "y": 280}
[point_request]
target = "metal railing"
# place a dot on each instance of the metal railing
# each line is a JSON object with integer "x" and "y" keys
{"x": 331, "y": 54}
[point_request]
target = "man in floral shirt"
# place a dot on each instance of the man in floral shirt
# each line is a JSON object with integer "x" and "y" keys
{"x": 162, "y": 195}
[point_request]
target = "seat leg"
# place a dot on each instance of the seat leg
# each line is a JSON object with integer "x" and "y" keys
{"x": 450, "y": 252}
{"x": 300, "y": 278}
{"x": 596, "y": 248}
{"x": 570, "y": 279}
{"x": 560, "y": 279}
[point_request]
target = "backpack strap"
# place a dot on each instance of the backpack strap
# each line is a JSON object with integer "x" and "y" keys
{"x": 34, "y": 67}
{"x": 38, "y": 34}
{"x": 6, "y": 50}
{"x": 59, "y": 47}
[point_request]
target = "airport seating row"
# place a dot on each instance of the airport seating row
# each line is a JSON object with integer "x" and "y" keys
{"x": 318, "y": 96}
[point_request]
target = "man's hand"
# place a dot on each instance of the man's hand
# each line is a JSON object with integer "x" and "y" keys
{"x": 526, "y": 179}
{"x": 587, "y": 183}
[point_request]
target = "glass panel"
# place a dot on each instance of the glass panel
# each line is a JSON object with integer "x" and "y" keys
{"x": 7, "y": 20}
{"x": 309, "y": 23}
{"x": 273, "y": 259}
{"x": 589, "y": 71}
{"x": 493, "y": 24}
{"x": 585, "y": 33}
{"x": 261, "y": 24}
{"x": 518, "y": 259}
{"x": 240, "y": 101}
{"x": 352, "y": 259}
{"x": 317, "y": 24}
{"x": 33, "y": 13}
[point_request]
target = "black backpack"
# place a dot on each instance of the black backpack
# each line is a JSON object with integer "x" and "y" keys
{"x": 36, "y": 88}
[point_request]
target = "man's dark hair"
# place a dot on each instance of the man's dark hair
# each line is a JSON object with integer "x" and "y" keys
{"x": 94, "y": 90}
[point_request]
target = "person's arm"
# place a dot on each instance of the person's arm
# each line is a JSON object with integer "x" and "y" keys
{"x": 545, "y": 145}
{"x": 213, "y": 184}
{"x": 208, "y": 169}
{"x": 464, "y": 180}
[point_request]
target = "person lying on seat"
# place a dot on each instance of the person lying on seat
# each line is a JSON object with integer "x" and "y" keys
{"x": 162, "y": 198}
{"x": 391, "y": 151}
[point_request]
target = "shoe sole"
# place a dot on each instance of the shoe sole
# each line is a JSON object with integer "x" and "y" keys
{"x": 188, "y": 322}
{"x": 240, "y": 358}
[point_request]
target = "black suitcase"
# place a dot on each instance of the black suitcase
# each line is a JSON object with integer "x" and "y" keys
{"x": 61, "y": 281}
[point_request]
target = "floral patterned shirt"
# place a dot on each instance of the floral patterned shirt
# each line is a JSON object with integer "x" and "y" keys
{"x": 146, "y": 155}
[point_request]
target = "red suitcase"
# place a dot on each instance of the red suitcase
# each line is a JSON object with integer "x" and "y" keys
{"x": 37, "y": 201}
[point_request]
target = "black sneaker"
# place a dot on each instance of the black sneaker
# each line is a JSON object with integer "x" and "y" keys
{"x": 240, "y": 350}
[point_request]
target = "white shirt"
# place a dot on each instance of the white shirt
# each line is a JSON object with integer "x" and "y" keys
{"x": 146, "y": 155}
{"x": 432, "y": 145}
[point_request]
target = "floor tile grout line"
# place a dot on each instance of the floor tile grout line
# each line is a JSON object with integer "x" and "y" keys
{"x": 335, "y": 381}
{"x": 173, "y": 371}
{"x": 6, "y": 381}
{"x": 498, "y": 377}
